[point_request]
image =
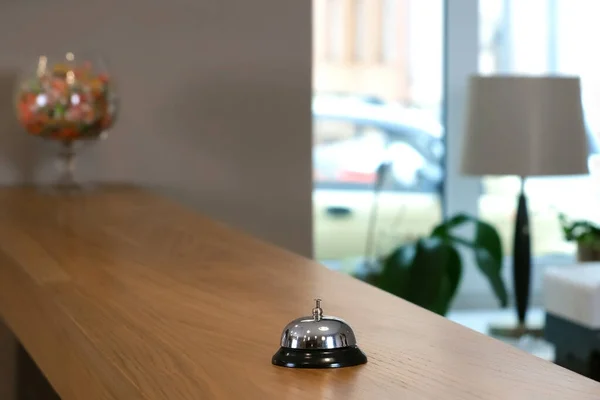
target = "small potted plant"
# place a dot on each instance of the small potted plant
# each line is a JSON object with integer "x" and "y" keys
{"x": 428, "y": 271}
{"x": 587, "y": 236}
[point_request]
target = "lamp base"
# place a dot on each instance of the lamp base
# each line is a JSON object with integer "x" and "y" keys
{"x": 511, "y": 331}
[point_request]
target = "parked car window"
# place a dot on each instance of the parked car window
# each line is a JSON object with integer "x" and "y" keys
{"x": 347, "y": 155}
{"x": 328, "y": 131}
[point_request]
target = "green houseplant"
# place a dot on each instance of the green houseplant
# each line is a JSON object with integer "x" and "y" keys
{"x": 585, "y": 233}
{"x": 428, "y": 271}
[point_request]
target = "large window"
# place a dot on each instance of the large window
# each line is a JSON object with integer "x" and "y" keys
{"x": 378, "y": 138}
{"x": 379, "y": 69}
{"x": 540, "y": 37}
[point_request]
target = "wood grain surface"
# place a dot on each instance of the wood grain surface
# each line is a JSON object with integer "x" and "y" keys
{"x": 122, "y": 294}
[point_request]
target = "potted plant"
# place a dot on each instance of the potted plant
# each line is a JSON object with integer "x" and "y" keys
{"x": 428, "y": 271}
{"x": 586, "y": 234}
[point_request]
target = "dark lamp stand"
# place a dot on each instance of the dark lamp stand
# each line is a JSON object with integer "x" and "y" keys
{"x": 521, "y": 273}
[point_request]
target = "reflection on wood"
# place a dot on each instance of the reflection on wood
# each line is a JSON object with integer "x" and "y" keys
{"x": 31, "y": 383}
{"x": 8, "y": 354}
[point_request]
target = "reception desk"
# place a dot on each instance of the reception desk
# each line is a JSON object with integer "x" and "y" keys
{"x": 123, "y": 294}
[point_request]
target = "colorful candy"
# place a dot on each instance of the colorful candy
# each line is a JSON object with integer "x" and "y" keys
{"x": 67, "y": 102}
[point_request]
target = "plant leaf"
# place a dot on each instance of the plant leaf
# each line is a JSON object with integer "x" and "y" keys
{"x": 490, "y": 267}
{"x": 578, "y": 230}
{"x": 443, "y": 230}
{"x": 488, "y": 256}
{"x": 428, "y": 272}
{"x": 395, "y": 273}
{"x": 487, "y": 248}
{"x": 487, "y": 237}
{"x": 434, "y": 275}
{"x": 452, "y": 267}
{"x": 454, "y": 274}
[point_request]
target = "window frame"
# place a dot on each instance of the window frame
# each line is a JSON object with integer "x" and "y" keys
{"x": 461, "y": 59}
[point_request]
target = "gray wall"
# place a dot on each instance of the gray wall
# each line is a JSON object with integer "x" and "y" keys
{"x": 215, "y": 106}
{"x": 215, "y": 102}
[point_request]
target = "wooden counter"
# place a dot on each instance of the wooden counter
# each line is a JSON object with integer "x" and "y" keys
{"x": 125, "y": 295}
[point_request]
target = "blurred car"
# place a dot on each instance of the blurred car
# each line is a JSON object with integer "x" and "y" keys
{"x": 353, "y": 137}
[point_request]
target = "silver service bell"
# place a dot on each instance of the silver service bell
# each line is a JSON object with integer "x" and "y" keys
{"x": 318, "y": 341}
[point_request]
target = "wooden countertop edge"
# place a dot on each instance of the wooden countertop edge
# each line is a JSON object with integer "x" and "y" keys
{"x": 41, "y": 324}
{"x": 37, "y": 324}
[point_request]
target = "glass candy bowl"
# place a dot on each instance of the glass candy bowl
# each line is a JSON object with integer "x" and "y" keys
{"x": 69, "y": 99}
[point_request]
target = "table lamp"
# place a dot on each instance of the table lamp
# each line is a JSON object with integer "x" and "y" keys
{"x": 524, "y": 126}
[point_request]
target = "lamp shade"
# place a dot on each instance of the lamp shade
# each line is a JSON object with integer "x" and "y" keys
{"x": 526, "y": 126}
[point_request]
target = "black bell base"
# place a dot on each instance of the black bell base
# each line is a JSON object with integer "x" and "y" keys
{"x": 318, "y": 358}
